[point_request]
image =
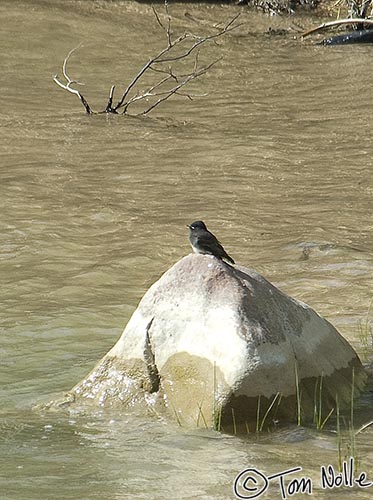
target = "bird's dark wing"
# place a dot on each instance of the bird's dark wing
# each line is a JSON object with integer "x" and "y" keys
{"x": 212, "y": 245}
{"x": 208, "y": 242}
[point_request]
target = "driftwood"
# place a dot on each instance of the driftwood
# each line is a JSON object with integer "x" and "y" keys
{"x": 339, "y": 22}
{"x": 165, "y": 63}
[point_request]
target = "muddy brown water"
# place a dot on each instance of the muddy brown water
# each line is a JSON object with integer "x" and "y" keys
{"x": 276, "y": 159}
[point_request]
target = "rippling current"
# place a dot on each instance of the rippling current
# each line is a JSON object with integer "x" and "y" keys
{"x": 276, "y": 158}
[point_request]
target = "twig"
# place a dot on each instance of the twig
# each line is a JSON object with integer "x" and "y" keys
{"x": 164, "y": 62}
{"x": 148, "y": 93}
{"x": 109, "y": 106}
{"x": 70, "y": 82}
{"x": 179, "y": 86}
{"x": 144, "y": 69}
{"x": 201, "y": 40}
{"x": 161, "y": 58}
{"x": 363, "y": 427}
{"x": 158, "y": 19}
{"x": 337, "y": 23}
{"x": 166, "y": 94}
{"x": 167, "y": 71}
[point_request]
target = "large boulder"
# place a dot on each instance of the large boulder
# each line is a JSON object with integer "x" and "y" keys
{"x": 220, "y": 346}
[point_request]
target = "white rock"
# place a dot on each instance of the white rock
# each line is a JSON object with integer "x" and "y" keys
{"x": 211, "y": 339}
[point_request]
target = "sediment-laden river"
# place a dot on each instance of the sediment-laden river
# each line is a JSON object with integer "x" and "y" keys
{"x": 276, "y": 158}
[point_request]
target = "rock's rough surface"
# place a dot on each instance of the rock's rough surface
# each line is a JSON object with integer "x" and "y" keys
{"x": 216, "y": 344}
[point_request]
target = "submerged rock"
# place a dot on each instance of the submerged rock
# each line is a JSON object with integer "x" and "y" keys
{"x": 218, "y": 345}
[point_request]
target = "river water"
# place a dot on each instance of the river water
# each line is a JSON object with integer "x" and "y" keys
{"x": 276, "y": 159}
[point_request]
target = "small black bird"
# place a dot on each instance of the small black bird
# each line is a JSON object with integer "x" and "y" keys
{"x": 203, "y": 241}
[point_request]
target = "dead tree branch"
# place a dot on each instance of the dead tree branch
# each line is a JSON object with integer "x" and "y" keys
{"x": 69, "y": 82}
{"x": 339, "y": 22}
{"x": 158, "y": 61}
{"x": 180, "y": 51}
{"x": 175, "y": 90}
{"x": 109, "y": 106}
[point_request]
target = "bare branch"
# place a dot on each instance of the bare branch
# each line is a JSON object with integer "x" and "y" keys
{"x": 336, "y": 23}
{"x": 167, "y": 71}
{"x": 191, "y": 96}
{"x": 182, "y": 84}
{"x": 201, "y": 40}
{"x": 168, "y": 29}
{"x": 166, "y": 94}
{"x": 160, "y": 83}
{"x": 109, "y": 106}
{"x": 230, "y": 25}
{"x": 165, "y": 62}
{"x": 161, "y": 58}
{"x": 196, "y": 61}
{"x": 152, "y": 61}
{"x": 157, "y": 18}
{"x": 148, "y": 93}
{"x": 69, "y": 82}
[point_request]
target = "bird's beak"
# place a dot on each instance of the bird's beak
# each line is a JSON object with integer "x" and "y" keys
{"x": 188, "y": 226}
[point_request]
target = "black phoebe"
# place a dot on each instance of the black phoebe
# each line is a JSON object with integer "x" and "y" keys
{"x": 203, "y": 241}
